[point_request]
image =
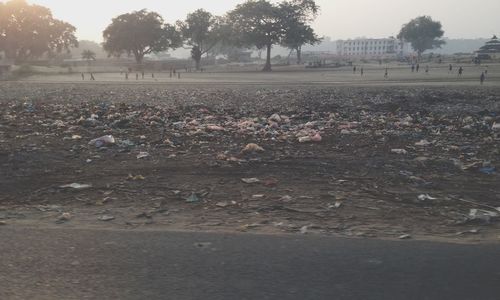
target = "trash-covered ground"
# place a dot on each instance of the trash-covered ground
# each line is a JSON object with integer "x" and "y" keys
{"x": 388, "y": 162}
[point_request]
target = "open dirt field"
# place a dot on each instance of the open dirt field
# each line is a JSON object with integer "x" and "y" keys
{"x": 292, "y": 75}
{"x": 372, "y": 161}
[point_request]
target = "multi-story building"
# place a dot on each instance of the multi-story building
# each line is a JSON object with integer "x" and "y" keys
{"x": 373, "y": 48}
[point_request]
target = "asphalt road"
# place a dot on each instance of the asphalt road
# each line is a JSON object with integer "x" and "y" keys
{"x": 88, "y": 264}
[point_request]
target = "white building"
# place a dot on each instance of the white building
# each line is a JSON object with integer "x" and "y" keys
{"x": 373, "y": 48}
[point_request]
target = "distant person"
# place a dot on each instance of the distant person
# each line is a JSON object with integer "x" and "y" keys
{"x": 386, "y": 74}
{"x": 486, "y": 71}
{"x": 413, "y": 68}
{"x": 92, "y": 77}
{"x": 136, "y": 76}
{"x": 482, "y": 78}
{"x": 362, "y": 71}
{"x": 450, "y": 69}
{"x": 152, "y": 75}
{"x": 126, "y": 76}
{"x": 179, "y": 75}
{"x": 418, "y": 68}
{"x": 427, "y": 70}
{"x": 142, "y": 74}
{"x": 174, "y": 71}
{"x": 354, "y": 70}
{"x": 83, "y": 76}
{"x": 460, "y": 71}
{"x": 170, "y": 74}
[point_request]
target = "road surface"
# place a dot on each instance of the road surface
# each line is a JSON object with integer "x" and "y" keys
{"x": 95, "y": 264}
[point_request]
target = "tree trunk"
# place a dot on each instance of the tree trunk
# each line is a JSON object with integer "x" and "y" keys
{"x": 299, "y": 55}
{"x": 197, "y": 62}
{"x": 267, "y": 67}
{"x": 139, "y": 59}
{"x": 196, "y": 55}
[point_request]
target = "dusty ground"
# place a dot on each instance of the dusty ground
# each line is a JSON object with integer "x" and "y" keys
{"x": 352, "y": 183}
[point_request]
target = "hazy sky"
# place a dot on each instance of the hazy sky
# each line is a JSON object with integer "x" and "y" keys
{"x": 339, "y": 19}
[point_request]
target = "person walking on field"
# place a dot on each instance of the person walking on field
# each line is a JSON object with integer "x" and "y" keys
{"x": 386, "y": 75}
{"x": 354, "y": 70}
{"x": 482, "y": 78}
{"x": 418, "y": 67}
{"x": 413, "y": 68}
{"x": 460, "y": 71}
{"x": 427, "y": 70}
{"x": 92, "y": 77}
{"x": 450, "y": 69}
{"x": 83, "y": 76}
{"x": 362, "y": 71}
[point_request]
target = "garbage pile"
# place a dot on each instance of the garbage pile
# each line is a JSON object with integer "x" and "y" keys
{"x": 425, "y": 152}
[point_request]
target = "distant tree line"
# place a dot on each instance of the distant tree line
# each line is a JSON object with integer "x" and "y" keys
{"x": 256, "y": 23}
{"x": 30, "y": 31}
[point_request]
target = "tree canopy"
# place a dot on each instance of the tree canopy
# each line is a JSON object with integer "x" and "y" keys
{"x": 257, "y": 23}
{"x": 297, "y": 15}
{"x": 262, "y": 24}
{"x": 30, "y": 31}
{"x": 140, "y": 33}
{"x": 202, "y": 31}
{"x": 423, "y": 33}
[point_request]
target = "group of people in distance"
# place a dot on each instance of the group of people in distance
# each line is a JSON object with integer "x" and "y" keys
{"x": 416, "y": 68}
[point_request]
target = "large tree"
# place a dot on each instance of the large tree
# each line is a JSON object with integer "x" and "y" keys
{"x": 297, "y": 16}
{"x": 257, "y": 23}
{"x": 30, "y": 31}
{"x": 423, "y": 33}
{"x": 140, "y": 33}
{"x": 201, "y": 31}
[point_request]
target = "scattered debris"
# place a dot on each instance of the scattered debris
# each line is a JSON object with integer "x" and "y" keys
{"x": 488, "y": 170}
{"x": 193, "y": 198}
{"x": 222, "y": 204}
{"x": 76, "y": 186}
{"x": 142, "y": 155}
{"x": 250, "y": 180}
{"x": 103, "y": 141}
{"x": 483, "y": 216}
{"x": 404, "y": 237}
{"x": 425, "y": 197}
{"x": 135, "y": 177}
{"x": 203, "y": 245}
{"x": 106, "y": 218}
{"x": 65, "y": 217}
{"x": 399, "y": 151}
{"x": 252, "y": 148}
